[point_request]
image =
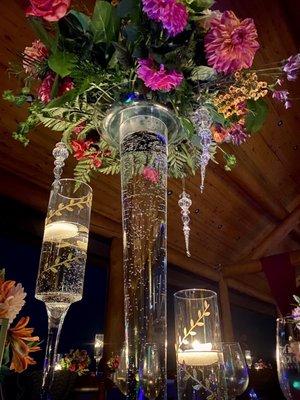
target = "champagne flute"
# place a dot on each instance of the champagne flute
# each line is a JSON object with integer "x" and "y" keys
{"x": 288, "y": 356}
{"x": 235, "y": 368}
{"x": 150, "y": 373}
{"x": 62, "y": 262}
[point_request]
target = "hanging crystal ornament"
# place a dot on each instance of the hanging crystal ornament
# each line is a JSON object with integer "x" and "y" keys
{"x": 185, "y": 203}
{"x": 202, "y": 121}
{"x": 60, "y": 153}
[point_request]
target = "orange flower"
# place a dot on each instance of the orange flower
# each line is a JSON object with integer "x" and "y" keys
{"x": 11, "y": 299}
{"x": 22, "y": 343}
{"x": 220, "y": 135}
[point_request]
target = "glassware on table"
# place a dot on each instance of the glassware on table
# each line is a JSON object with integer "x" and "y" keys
{"x": 120, "y": 376}
{"x": 288, "y": 356}
{"x": 62, "y": 261}
{"x": 200, "y": 365}
{"x": 151, "y": 382}
{"x": 98, "y": 347}
{"x": 236, "y": 371}
{"x": 248, "y": 358}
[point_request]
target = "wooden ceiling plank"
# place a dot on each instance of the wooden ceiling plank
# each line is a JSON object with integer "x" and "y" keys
{"x": 254, "y": 266}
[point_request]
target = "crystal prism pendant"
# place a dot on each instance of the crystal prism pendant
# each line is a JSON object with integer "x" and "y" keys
{"x": 185, "y": 203}
{"x": 60, "y": 153}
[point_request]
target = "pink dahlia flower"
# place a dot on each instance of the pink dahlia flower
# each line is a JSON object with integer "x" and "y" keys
{"x": 158, "y": 79}
{"x": 11, "y": 299}
{"x": 231, "y": 44}
{"x": 151, "y": 174}
{"x": 44, "y": 91}
{"x": 172, "y": 14}
{"x": 50, "y": 10}
{"x": 33, "y": 54}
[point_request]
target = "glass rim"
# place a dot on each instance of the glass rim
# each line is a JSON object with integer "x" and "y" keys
{"x": 180, "y": 294}
{"x": 73, "y": 180}
{"x": 289, "y": 318}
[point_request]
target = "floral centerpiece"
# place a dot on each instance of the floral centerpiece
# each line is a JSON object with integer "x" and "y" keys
{"x": 76, "y": 361}
{"x": 180, "y": 53}
{"x": 20, "y": 342}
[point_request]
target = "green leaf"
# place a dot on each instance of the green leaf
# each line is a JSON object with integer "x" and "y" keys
{"x": 62, "y": 63}
{"x": 83, "y": 20}
{"x": 216, "y": 117}
{"x": 256, "y": 116}
{"x": 129, "y": 8}
{"x": 187, "y": 126}
{"x": 41, "y": 33}
{"x": 104, "y": 23}
{"x": 202, "y": 73}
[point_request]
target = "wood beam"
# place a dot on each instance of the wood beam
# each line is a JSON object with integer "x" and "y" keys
{"x": 114, "y": 322}
{"x": 254, "y": 266}
{"x": 277, "y": 235}
{"x": 205, "y": 271}
{"x": 226, "y": 319}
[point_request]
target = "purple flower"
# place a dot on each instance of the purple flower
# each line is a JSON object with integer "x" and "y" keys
{"x": 292, "y": 66}
{"x": 158, "y": 79}
{"x": 296, "y": 312}
{"x": 172, "y": 15}
{"x": 283, "y": 96}
{"x": 237, "y": 134}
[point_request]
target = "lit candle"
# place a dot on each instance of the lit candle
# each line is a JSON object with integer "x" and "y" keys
{"x": 59, "y": 230}
{"x": 200, "y": 355}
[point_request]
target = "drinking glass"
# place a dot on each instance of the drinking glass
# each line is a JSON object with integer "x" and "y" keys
{"x": 236, "y": 371}
{"x": 150, "y": 371}
{"x": 62, "y": 261}
{"x": 200, "y": 369}
{"x": 98, "y": 347}
{"x": 288, "y": 356}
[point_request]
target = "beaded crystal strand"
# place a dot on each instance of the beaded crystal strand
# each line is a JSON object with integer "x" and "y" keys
{"x": 185, "y": 203}
{"x": 202, "y": 122}
{"x": 60, "y": 153}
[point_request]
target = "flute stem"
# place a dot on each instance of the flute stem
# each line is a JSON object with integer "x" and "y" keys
{"x": 56, "y": 316}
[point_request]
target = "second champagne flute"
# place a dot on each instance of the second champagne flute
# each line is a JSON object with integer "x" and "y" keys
{"x": 62, "y": 262}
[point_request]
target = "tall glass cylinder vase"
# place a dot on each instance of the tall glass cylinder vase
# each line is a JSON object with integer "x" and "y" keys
{"x": 200, "y": 363}
{"x": 142, "y": 130}
{"x": 62, "y": 262}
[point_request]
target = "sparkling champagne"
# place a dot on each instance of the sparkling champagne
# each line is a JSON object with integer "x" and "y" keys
{"x": 62, "y": 263}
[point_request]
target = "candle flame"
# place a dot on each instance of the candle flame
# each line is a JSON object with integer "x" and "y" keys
{"x": 201, "y": 346}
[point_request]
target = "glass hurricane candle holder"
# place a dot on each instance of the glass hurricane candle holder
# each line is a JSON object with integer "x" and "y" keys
{"x": 62, "y": 262}
{"x": 200, "y": 364}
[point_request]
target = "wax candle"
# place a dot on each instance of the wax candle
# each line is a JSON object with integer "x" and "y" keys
{"x": 197, "y": 358}
{"x": 200, "y": 355}
{"x": 59, "y": 230}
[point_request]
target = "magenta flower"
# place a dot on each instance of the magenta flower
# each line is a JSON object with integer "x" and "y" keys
{"x": 283, "y": 96}
{"x": 44, "y": 91}
{"x": 237, "y": 134}
{"x": 231, "y": 44}
{"x": 172, "y": 14}
{"x": 158, "y": 79}
{"x": 292, "y": 67}
{"x": 151, "y": 174}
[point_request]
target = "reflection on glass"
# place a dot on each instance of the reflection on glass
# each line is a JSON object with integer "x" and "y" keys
{"x": 288, "y": 356}
{"x": 248, "y": 358}
{"x": 120, "y": 376}
{"x": 151, "y": 381}
{"x": 236, "y": 371}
